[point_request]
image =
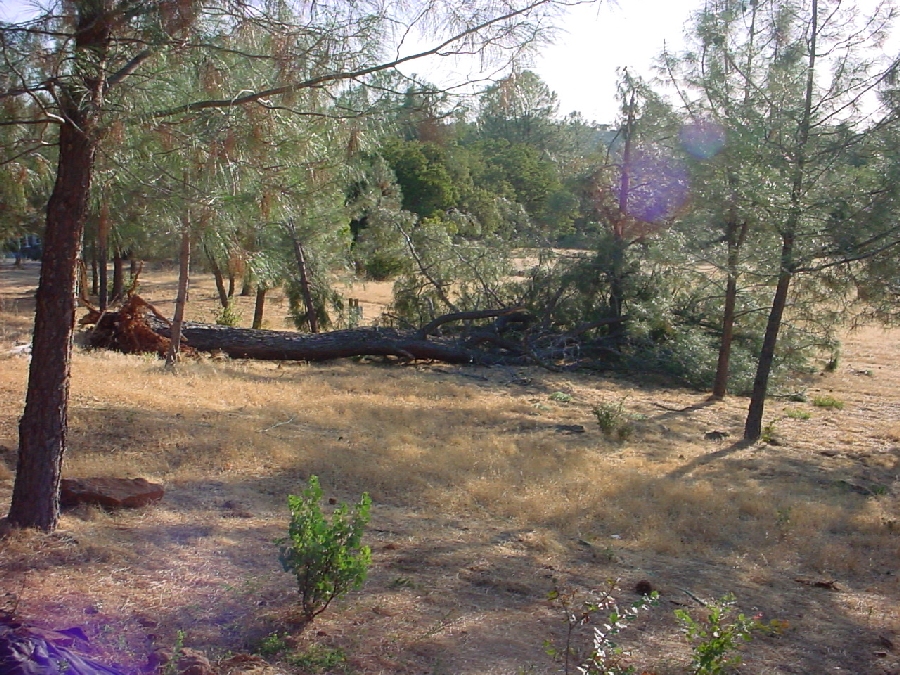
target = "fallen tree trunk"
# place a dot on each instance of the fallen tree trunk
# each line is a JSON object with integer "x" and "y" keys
{"x": 269, "y": 345}
{"x": 138, "y": 327}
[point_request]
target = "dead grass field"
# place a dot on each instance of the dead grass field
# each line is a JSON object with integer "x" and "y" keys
{"x": 485, "y": 497}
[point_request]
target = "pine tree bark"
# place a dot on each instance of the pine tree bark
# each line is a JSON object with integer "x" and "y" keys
{"x": 43, "y": 427}
{"x": 305, "y": 287}
{"x": 736, "y": 235}
{"x": 260, "y": 306}
{"x": 218, "y": 276}
{"x": 184, "y": 271}
{"x": 103, "y": 256}
{"x": 118, "y": 285}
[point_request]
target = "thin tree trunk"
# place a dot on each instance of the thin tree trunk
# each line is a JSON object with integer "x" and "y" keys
{"x": 753, "y": 425}
{"x": 184, "y": 268}
{"x": 43, "y": 427}
{"x": 305, "y": 289}
{"x": 95, "y": 272}
{"x": 736, "y": 237}
{"x": 103, "y": 255}
{"x": 217, "y": 274}
{"x": 247, "y": 283}
{"x": 82, "y": 277}
{"x": 720, "y": 384}
{"x": 118, "y": 287}
{"x": 617, "y": 264}
{"x": 260, "y": 306}
{"x": 232, "y": 282}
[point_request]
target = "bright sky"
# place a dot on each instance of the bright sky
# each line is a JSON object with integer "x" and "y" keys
{"x": 594, "y": 41}
{"x": 581, "y": 66}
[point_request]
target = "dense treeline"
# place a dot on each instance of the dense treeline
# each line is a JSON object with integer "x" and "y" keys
{"x": 715, "y": 231}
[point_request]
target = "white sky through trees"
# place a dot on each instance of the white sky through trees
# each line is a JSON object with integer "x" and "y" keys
{"x": 592, "y": 42}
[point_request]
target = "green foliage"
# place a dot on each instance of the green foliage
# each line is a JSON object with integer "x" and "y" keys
{"x": 613, "y": 420}
{"x": 716, "y": 636}
{"x": 561, "y": 397}
{"x": 318, "y": 659}
{"x": 272, "y": 644}
{"x": 326, "y": 555}
{"x": 828, "y": 401}
{"x": 798, "y": 414}
{"x": 314, "y": 659}
{"x": 423, "y": 175}
{"x": 228, "y": 316}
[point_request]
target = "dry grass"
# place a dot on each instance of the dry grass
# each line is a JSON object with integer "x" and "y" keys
{"x": 484, "y": 498}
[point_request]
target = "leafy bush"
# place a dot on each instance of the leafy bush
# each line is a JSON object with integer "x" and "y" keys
{"x": 828, "y": 402}
{"x": 613, "y": 421}
{"x": 318, "y": 659}
{"x": 327, "y": 557}
{"x": 714, "y": 637}
{"x": 228, "y": 316}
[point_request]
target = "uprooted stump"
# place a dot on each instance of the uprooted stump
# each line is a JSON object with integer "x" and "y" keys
{"x": 128, "y": 330}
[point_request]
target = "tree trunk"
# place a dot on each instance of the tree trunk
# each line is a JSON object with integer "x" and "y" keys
{"x": 247, "y": 283}
{"x": 103, "y": 256}
{"x": 720, "y": 384}
{"x": 217, "y": 274}
{"x": 736, "y": 236}
{"x": 305, "y": 289}
{"x": 232, "y": 282}
{"x": 43, "y": 427}
{"x": 118, "y": 287}
{"x": 95, "y": 272}
{"x": 246, "y": 343}
{"x": 258, "y": 309}
{"x": 753, "y": 425}
{"x": 184, "y": 267}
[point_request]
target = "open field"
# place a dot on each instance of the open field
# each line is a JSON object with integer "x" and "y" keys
{"x": 486, "y": 494}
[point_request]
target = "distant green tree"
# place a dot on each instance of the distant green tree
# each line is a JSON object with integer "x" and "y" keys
{"x": 424, "y": 176}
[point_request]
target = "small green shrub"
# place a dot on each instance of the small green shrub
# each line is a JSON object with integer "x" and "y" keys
{"x": 561, "y": 397}
{"x": 272, "y": 645}
{"x": 613, "y": 421}
{"x": 327, "y": 557}
{"x": 228, "y": 316}
{"x": 828, "y": 402}
{"x": 318, "y": 659}
{"x": 715, "y": 636}
{"x": 798, "y": 414}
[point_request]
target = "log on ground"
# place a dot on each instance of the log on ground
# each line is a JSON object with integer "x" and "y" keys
{"x": 246, "y": 343}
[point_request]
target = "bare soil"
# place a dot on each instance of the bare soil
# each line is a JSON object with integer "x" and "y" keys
{"x": 491, "y": 487}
